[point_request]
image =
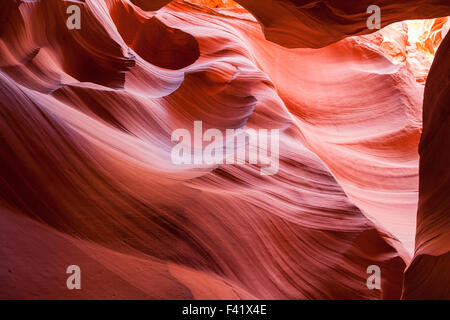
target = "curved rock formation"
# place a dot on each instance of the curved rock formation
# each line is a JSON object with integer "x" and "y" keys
{"x": 315, "y": 24}
{"x": 87, "y": 177}
{"x": 427, "y": 276}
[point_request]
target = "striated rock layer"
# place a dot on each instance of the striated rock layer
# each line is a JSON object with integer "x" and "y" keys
{"x": 86, "y": 118}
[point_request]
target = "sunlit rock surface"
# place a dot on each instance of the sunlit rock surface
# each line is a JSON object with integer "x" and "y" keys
{"x": 87, "y": 177}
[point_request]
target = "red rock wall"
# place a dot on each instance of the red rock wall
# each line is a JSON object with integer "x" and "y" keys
{"x": 86, "y": 118}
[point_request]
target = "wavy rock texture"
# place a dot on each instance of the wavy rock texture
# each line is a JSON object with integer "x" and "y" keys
{"x": 86, "y": 118}
{"x": 315, "y": 24}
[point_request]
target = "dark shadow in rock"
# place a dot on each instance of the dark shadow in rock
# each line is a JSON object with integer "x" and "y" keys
{"x": 164, "y": 46}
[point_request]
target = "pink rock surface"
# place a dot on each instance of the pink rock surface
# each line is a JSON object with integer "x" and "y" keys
{"x": 86, "y": 118}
